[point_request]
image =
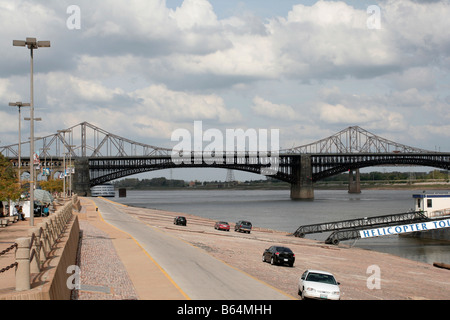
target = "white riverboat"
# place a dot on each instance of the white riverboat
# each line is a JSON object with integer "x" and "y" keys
{"x": 436, "y": 205}
{"x": 103, "y": 190}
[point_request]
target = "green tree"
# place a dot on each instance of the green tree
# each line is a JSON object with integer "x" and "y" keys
{"x": 52, "y": 185}
{"x": 9, "y": 184}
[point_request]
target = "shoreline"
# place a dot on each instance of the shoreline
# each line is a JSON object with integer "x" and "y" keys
{"x": 393, "y": 186}
{"x": 349, "y": 264}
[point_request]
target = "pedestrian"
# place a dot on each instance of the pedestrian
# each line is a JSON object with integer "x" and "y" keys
{"x": 16, "y": 210}
{"x": 21, "y": 214}
{"x": 45, "y": 211}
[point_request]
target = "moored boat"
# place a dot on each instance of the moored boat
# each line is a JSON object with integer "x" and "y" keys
{"x": 103, "y": 190}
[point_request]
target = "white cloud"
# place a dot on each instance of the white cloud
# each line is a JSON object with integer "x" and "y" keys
{"x": 4, "y": 88}
{"x": 195, "y": 14}
{"x": 67, "y": 91}
{"x": 141, "y": 65}
{"x": 181, "y": 106}
{"x": 326, "y": 40}
{"x": 366, "y": 117}
{"x": 274, "y": 111}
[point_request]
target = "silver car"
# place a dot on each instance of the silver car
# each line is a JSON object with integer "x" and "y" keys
{"x": 243, "y": 226}
{"x": 317, "y": 284}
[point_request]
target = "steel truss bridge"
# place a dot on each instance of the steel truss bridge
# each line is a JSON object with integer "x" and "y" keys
{"x": 100, "y": 156}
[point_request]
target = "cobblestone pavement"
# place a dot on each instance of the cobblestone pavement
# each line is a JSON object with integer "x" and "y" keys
{"x": 103, "y": 275}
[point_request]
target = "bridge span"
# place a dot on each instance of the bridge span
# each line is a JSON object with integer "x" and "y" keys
{"x": 99, "y": 156}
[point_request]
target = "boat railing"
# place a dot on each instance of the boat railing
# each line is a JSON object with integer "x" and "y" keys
{"x": 438, "y": 213}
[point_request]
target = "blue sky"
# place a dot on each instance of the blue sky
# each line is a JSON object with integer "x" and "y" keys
{"x": 142, "y": 69}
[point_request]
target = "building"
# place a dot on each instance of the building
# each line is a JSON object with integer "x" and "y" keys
{"x": 435, "y": 205}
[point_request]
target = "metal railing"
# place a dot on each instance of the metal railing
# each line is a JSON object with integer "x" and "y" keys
{"x": 361, "y": 223}
{"x": 12, "y": 265}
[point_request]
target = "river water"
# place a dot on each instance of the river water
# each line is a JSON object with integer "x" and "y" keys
{"x": 274, "y": 209}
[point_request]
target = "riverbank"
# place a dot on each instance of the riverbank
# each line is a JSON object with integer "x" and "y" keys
{"x": 317, "y": 186}
{"x": 364, "y": 274}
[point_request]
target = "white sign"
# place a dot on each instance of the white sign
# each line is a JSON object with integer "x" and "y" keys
{"x": 420, "y": 226}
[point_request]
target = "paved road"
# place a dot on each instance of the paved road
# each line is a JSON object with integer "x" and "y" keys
{"x": 198, "y": 274}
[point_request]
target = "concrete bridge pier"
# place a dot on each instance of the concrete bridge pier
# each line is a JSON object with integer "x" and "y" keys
{"x": 354, "y": 182}
{"x": 81, "y": 178}
{"x": 302, "y": 188}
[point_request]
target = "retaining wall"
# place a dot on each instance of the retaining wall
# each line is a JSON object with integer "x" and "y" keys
{"x": 51, "y": 282}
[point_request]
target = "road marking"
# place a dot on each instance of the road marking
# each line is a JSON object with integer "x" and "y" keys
{"x": 245, "y": 273}
{"x": 175, "y": 237}
{"x": 147, "y": 254}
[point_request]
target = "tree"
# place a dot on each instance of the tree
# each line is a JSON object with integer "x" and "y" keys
{"x": 9, "y": 184}
{"x": 53, "y": 185}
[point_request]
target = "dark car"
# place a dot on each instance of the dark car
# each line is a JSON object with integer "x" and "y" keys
{"x": 279, "y": 255}
{"x": 181, "y": 221}
{"x": 222, "y": 225}
{"x": 38, "y": 209}
{"x": 243, "y": 226}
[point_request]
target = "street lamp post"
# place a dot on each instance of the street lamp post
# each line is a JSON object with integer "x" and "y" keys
{"x": 71, "y": 168}
{"x": 32, "y": 44}
{"x": 64, "y": 160}
{"x": 19, "y": 105}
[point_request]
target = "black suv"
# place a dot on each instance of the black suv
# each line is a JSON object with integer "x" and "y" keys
{"x": 243, "y": 226}
{"x": 279, "y": 255}
{"x": 181, "y": 221}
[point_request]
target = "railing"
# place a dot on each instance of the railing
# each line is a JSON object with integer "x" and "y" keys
{"x": 32, "y": 251}
{"x": 438, "y": 213}
{"x": 361, "y": 223}
{"x": 12, "y": 265}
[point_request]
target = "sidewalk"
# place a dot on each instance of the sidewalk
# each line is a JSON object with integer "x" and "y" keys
{"x": 114, "y": 266}
{"x": 8, "y": 236}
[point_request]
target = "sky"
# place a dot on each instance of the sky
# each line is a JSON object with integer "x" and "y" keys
{"x": 142, "y": 69}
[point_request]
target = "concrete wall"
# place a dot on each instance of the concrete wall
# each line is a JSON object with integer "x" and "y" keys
{"x": 66, "y": 256}
{"x": 50, "y": 283}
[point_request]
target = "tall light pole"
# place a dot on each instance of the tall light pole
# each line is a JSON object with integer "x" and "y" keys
{"x": 19, "y": 105}
{"x": 71, "y": 167}
{"x": 64, "y": 159}
{"x": 32, "y": 44}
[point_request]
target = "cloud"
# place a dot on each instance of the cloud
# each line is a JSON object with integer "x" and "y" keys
{"x": 366, "y": 117}
{"x": 274, "y": 111}
{"x": 154, "y": 104}
{"x": 416, "y": 78}
{"x": 143, "y": 68}
{"x": 181, "y": 106}
{"x": 326, "y": 40}
{"x": 195, "y": 14}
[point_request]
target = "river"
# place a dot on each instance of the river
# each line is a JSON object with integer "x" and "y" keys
{"x": 274, "y": 209}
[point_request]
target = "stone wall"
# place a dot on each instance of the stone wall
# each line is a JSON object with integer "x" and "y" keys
{"x": 51, "y": 282}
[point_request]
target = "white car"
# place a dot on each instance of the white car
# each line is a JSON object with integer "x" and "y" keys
{"x": 316, "y": 284}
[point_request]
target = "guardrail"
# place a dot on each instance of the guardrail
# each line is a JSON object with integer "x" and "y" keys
{"x": 32, "y": 251}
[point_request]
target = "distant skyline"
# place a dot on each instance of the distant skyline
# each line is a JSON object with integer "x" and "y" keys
{"x": 142, "y": 69}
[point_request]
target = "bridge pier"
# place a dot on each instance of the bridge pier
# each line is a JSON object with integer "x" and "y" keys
{"x": 81, "y": 178}
{"x": 302, "y": 188}
{"x": 354, "y": 182}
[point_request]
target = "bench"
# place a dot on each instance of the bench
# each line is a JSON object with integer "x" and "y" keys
{"x": 4, "y": 222}
{"x": 13, "y": 219}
